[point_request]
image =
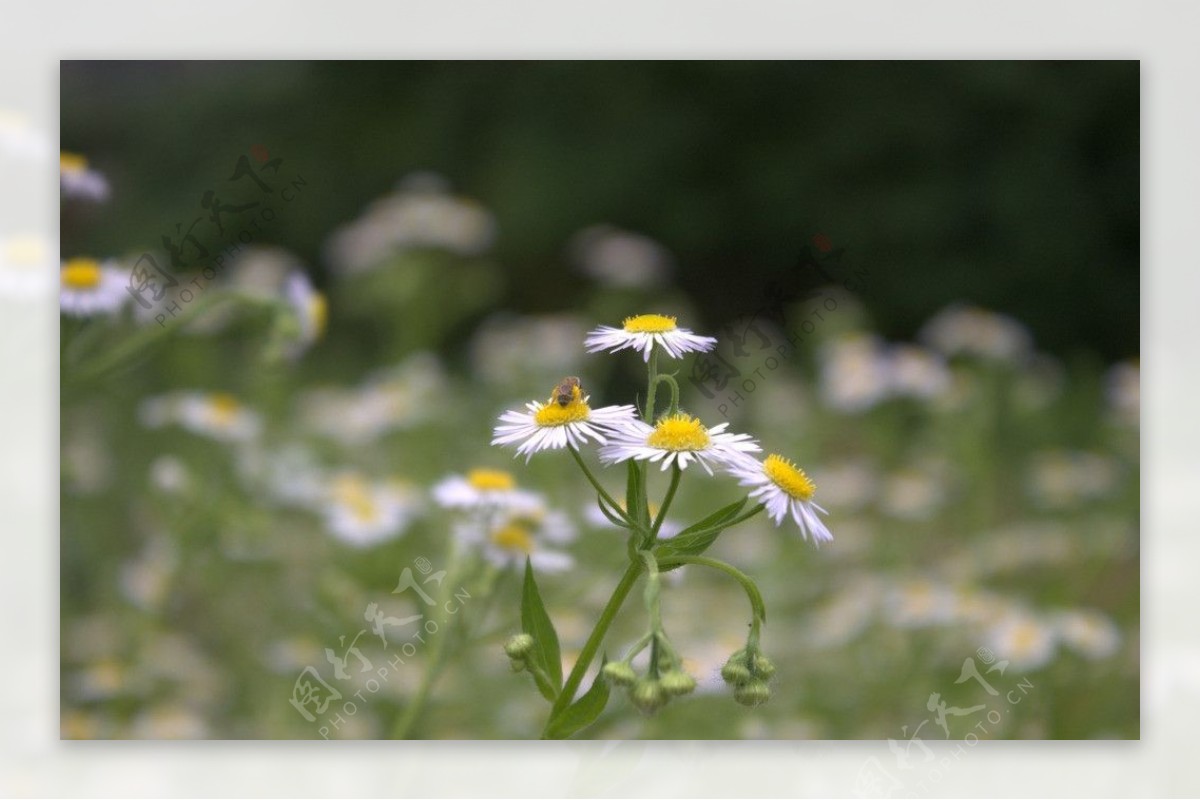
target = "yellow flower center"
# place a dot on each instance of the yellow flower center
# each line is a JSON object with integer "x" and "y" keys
{"x": 81, "y": 273}
{"x": 679, "y": 432}
{"x": 553, "y": 414}
{"x": 318, "y": 312}
{"x": 352, "y": 492}
{"x": 789, "y": 477}
{"x": 224, "y": 408}
{"x": 72, "y": 162}
{"x": 649, "y": 323}
{"x": 491, "y": 480}
{"x": 513, "y": 537}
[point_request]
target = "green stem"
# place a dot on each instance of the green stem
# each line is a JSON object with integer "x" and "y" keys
{"x": 670, "y": 381}
{"x": 662, "y": 511}
{"x": 756, "y": 602}
{"x": 624, "y": 512}
{"x": 594, "y": 640}
{"x": 653, "y": 385}
{"x": 758, "y": 509}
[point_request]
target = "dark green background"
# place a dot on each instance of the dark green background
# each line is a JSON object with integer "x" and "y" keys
{"x": 1013, "y": 185}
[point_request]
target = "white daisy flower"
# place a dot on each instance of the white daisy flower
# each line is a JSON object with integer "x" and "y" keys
{"x": 1023, "y": 639}
{"x": 77, "y": 180}
{"x": 676, "y": 439}
{"x": 89, "y": 288}
{"x": 217, "y": 415}
{"x": 310, "y": 306}
{"x": 514, "y": 537}
{"x": 783, "y": 488}
{"x": 643, "y": 332}
{"x": 362, "y": 513}
{"x": 485, "y": 489}
{"x": 554, "y": 425}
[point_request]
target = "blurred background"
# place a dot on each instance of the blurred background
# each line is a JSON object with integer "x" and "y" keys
{"x": 925, "y": 281}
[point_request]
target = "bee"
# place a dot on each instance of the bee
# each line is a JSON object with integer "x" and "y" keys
{"x": 564, "y": 393}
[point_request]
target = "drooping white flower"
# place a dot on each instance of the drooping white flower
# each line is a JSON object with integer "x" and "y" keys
{"x": 676, "y": 439}
{"x": 645, "y": 331}
{"x": 784, "y": 489}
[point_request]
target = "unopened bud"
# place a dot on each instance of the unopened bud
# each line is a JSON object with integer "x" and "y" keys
{"x": 647, "y": 696}
{"x": 763, "y": 667}
{"x": 677, "y": 683}
{"x": 618, "y": 673}
{"x": 735, "y": 673}
{"x": 753, "y": 693}
{"x": 519, "y": 646}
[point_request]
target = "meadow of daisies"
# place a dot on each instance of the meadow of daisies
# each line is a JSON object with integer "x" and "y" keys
{"x": 292, "y": 513}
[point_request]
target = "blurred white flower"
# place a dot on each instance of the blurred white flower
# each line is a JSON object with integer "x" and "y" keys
{"x": 502, "y": 343}
{"x": 916, "y": 372}
{"x": 217, "y": 415}
{"x": 168, "y": 721}
{"x": 921, "y": 603}
{"x": 362, "y": 513}
{"x": 170, "y": 475}
{"x": 1065, "y": 478}
{"x": 487, "y": 489}
{"x": 967, "y": 330}
{"x": 310, "y": 306}
{"x": 912, "y": 494}
{"x": 1089, "y": 633}
{"x": 89, "y": 288}
{"x": 145, "y": 580}
{"x": 1025, "y": 640}
{"x": 78, "y": 180}
{"x": 511, "y": 538}
{"x": 854, "y": 374}
{"x": 421, "y": 213}
{"x": 619, "y": 258}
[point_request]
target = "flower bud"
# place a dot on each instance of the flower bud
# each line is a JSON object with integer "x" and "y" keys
{"x": 647, "y": 696}
{"x": 763, "y": 667}
{"x": 753, "y": 693}
{"x": 677, "y": 682}
{"x": 734, "y": 673}
{"x": 619, "y": 673}
{"x": 519, "y": 646}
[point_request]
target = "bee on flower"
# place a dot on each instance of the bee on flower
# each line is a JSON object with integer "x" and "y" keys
{"x": 89, "y": 288}
{"x": 644, "y": 332}
{"x": 679, "y": 439}
{"x": 783, "y": 488}
{"x": 564, "y": 420}
{"x": 76, "y": 179}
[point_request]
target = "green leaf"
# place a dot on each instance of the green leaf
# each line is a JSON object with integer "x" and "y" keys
{"x": 582, "y": 712}
{"x": 694, "y": 540}
{"x": 536, "y": 622}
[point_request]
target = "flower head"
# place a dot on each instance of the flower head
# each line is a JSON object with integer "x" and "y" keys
{"x": 362, "y": 513}
{"x": 217, "y": 415}
{"x": 310, "y": 306}
{"x": 508, "y": 540}
{"x": 77, "y": 180}
{"x": 676, "y": 439}
{"x": 485, "y": 489}
{"x": 643, "y": 332}
{"x": 783, "y": 488}
{"x": 89, "y": 288}
{"x": 560, "y": 421}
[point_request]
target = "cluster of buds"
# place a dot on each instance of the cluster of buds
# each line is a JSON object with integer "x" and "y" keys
{"x": 518, "y": 648}
{"x": 748, "y": 672}
{"x": 649, "y": 693}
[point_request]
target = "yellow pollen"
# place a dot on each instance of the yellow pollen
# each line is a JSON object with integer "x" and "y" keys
{"x": 789, "y": 477}
{"x": 679, "y": 432}
{"x": 513, "y": 537}
{"x": 71, "y": 162}
{"x": 491, "y": 480}
{"x": 553, "y": 414}
{"x": 649, "y": 323}
{"x": 81, "y": 273}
